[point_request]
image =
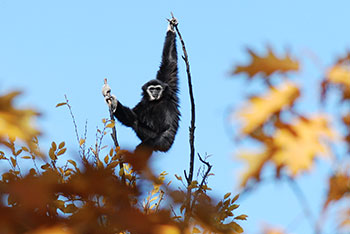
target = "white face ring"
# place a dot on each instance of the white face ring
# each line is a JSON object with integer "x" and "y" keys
{"x": 154, "y": 92}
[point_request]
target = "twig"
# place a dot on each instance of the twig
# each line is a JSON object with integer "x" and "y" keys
{"x": 161, "y": 197}
{"x": 303, "y": 202}
{"x": 75, "y": 125}
{"x": 203, "y": 180}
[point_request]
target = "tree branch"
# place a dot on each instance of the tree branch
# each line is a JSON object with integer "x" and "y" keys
{"x": 193, "y": 107}
{"x": 203, "y": 180}
{"x": 189, "y": 178}
{"x": 114, "y": 133}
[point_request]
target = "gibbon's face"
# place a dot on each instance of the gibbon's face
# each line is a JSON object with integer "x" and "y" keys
{"x": 154, "y": 92}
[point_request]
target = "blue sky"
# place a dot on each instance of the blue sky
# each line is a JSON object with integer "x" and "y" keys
{"x": 52, "y": 48}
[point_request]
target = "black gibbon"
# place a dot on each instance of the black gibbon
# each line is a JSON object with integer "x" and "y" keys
{"x": 155, "y": 119}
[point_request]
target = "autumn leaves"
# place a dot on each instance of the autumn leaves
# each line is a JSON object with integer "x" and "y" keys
{"x": 290, "y": 140}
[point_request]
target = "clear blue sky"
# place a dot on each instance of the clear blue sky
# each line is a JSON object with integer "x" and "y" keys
{"x": 52, "y": 48}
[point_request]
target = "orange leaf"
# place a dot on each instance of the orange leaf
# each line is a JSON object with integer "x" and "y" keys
{"x": 267, "y": 65}
{"x": 62, "y": 151}
{"x": 61, "y": 104}
{"x": 339, "y": 185}
{"x": 339, "y": 74}
{"x": 166, "y": 229}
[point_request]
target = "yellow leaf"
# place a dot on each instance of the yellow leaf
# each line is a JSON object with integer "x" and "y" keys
{"x": 339, "y": 74}
{"x": 121, "y": 171}
{"x": 81, "y": 142}
{"x": 193, "y": 184}
{"x": 267, "y": 65}
{"x": 111, "y": 124}
{"x": 16, "y": 123}
{"x": 297, "y": 149}
{"x": 255, "y": 162}
{"x": 26, "y": 157}
{"x": 260, "y": 109}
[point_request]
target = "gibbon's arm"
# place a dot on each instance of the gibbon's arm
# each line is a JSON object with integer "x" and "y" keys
{"x": 125, "y": 115}
{"x": 168, "y": 69}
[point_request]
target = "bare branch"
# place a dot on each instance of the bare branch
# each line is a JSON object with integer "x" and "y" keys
{"x": 202, "y": 182}
{"x": 189, "y": 178}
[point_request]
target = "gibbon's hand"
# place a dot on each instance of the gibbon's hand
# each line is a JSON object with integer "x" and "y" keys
{"x": 172, "y": 23}
{"x": 110, "y": 99}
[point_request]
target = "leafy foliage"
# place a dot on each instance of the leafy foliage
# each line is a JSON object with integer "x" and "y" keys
{"x": 108, "y": 190}
{"x": 290, "y": 140}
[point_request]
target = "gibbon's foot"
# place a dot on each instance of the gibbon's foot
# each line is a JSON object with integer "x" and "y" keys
{"x": 172, "y": 23}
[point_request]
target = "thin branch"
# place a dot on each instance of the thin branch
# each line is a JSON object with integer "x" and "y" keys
{"x": 75, "y": 125}
{"x": 189, "y": 178}
{"x": 203, "y": 180}
{"x": 303, "y": 201}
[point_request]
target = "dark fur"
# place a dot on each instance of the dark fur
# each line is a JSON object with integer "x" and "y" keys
{"x": 156, "y": 122}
